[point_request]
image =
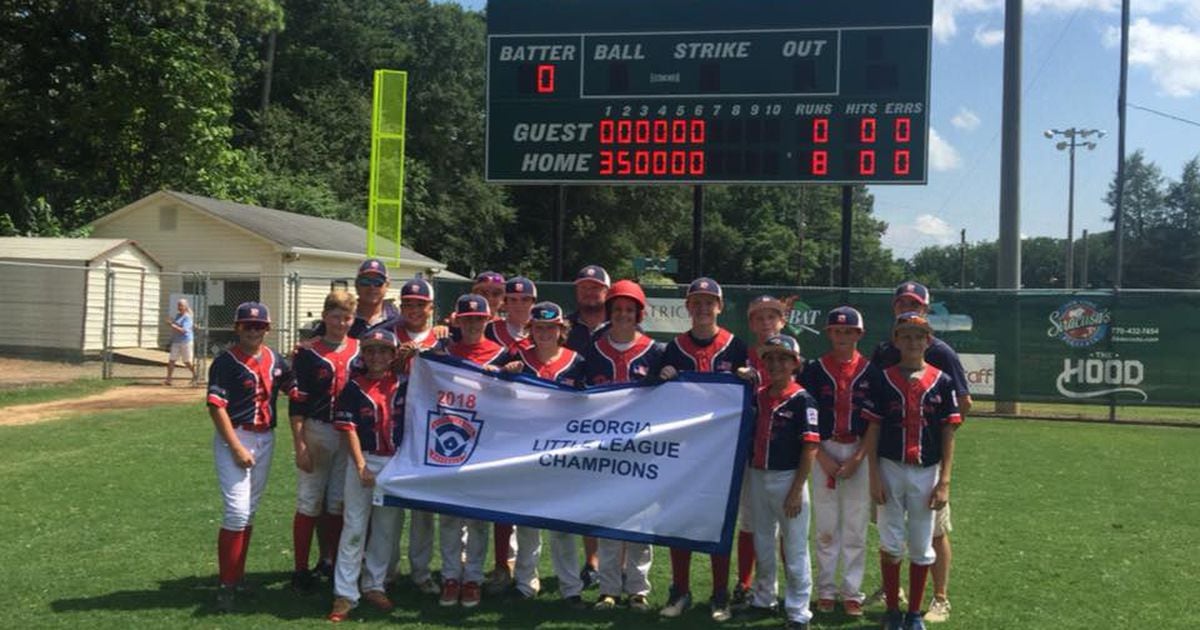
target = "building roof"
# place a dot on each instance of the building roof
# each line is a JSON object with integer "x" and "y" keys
{"x": 291, "y": 231}
{"x": 76, "y": 250}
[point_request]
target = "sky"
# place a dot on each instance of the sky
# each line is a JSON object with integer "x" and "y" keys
{"x": 1070, "y": 73}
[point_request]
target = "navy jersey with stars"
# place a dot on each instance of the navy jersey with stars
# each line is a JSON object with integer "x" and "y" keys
{"x": 321, "y": 372}
{"x": 374, "y": 409}
{"x": 912, "y": 413}
{"x": 843, "y": 391}
{"x": 497, "y": 330}
{"x": 939, "y": 354}
{"x": 722, "y": 353}
{"x": 247, "y": 386}
{"x": 581, "y": 336}
{"x": 607, "y": 364}
{"x": 568, "y": 369}
{"x": 783, "y": 425}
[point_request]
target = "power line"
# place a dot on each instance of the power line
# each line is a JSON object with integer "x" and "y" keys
{"x": 1164, "y": 114}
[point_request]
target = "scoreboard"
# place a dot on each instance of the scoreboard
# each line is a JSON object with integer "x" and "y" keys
{"x": 708, "y": 91}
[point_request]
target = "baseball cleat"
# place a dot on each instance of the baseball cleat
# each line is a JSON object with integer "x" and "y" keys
{"x": 893, "y": 620}
{"x": 639, "y": 603}
{"x": 498, "y": 581}
{"x": 606, "y": 602}
{"x": 341, "y": 609}
{"x": 471, "y": 594}
{"x": 825, "y": 605}
{"x": 380, "y": 600}
{"x": 914, "y": 621}
{"x": 324, "y": 569}
{"x": 450, "y": 593}
{"x": 740, "y": 599}
{"x": 225, "y": 598}
{"x": 852, "y": 608}
{"x": 939, "y": 610}
{"x": 719, "y": 606}
{"x": 589, "y": 576}
{"x": 676, "y": 604}
{"x": 880, "y": 597}
{"x": 303, "y": 581}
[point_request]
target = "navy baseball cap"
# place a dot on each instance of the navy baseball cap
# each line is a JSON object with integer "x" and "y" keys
{"x": 379, "y": 337}
{"x": 546, "y": 313}
{"x": 417, "y": 289}
{"x": 766, "y": 301}
{"x": 844, "y": 317}
{"x": 781, "y": 343}
{"x": 914, "y": 290}
{"x": 912, "y": 319}
{"x": 593, "y": 273}
{"x": 472, "y": 305}
{"x": 488, "y": 277}
{"x": 520, "y": 285}
{"x": 252, "y": 312}
{"x": 373, "y": 267}
{"x": 705, "y": 286}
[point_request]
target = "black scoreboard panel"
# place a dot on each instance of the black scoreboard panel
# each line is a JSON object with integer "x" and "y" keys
{"x": 707, "y": 91}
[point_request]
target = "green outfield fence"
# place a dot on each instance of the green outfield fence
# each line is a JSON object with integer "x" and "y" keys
{"x": 1127, "y": 348}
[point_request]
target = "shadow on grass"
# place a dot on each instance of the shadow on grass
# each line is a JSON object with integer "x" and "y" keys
{"x": 273, "y": 596}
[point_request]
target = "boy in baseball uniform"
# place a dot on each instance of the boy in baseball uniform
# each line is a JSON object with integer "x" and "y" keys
{"x": 842, "y": 382}
{"x": 243, "y": 385}
{"x": 322, "y": 368}
{"x": 370, "y": 416}
{"x": 916, "y": 407}
{"x": 786, "y": 436}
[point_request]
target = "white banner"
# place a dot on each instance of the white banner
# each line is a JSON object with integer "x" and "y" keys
{"x": 657, "y": 464}
{"x": 981, "y": 373}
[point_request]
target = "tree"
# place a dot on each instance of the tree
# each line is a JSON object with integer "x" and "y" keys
{"x": 1143, "y": 198}
{"x": 103, "y": 102}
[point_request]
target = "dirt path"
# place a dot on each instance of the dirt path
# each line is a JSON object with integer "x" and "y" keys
{"x": 16, "y": 372}
{"x": 117, "y": 398}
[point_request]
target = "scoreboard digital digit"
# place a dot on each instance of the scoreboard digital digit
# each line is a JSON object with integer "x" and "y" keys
{"x": 708, "y": 91}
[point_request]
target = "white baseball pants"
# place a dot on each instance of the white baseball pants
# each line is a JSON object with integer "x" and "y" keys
{"x": 768, "y": 491}
{"x": 322, "y": 489}
{"x": 565, "y": 559}
{"x": 636, "y": 567}
{"x": 241, "y": 488}
{"x": 906, "y": 516}
{"x": 451, "y": 534}
{"x": 360, "y": 555}
{"x": 529, "y": 554}
{"x": 840, "y": 517}
{"x": 420, "y": 544}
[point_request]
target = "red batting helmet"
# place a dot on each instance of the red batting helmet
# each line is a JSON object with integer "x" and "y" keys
{"x": 626, "y": 289}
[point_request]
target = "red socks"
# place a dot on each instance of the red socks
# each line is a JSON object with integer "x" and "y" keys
{"x": 720, "y": 569}
{"x": 589, "y": 548}
{"x": 330, "y": 533}
{"x": 681, "y": 570}
{"x": 916, "y": 586}
{"x": 245, "y": 551}
{"x": 501, "y": 537}
{"x": 231, "y": 547}
{"x": 302, "y": 535}
{"x": 745, "y": 551}
{"x": 891, "y": 582}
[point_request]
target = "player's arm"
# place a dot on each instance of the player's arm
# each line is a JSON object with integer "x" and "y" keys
{"x": 666, "y": 369}
{"x": 354, "y": 448}
{"x": 951, "y": 419}
{"x": 298, "y": 411}
{"x": 811, "y": 439}
{"x": 871, "y": 412}
{"x": 959, "y": 374}
{"x": 218, "y": 393}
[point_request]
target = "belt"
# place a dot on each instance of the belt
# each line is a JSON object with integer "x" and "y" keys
{"x": 254, "y": 428}
{"x": 845, "y": 438}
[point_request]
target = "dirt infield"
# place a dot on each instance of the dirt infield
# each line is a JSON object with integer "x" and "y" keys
{"x": 118, "y": 398}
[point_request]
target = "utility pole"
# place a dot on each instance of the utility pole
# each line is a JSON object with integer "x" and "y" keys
{"x": 1008, "y": 272}
{"x": 1072, "y": 136}
{"x": 1119, "y": 215}
{"x": 962, "y": 259}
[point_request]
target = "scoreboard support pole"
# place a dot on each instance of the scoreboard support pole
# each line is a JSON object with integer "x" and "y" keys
{"x": 697, "y": 231}
{"x": 847, "y": 223}
{"x": 556, "y": 253}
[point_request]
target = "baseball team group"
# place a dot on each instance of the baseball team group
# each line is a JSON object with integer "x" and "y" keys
{"x": 839, "y": 441}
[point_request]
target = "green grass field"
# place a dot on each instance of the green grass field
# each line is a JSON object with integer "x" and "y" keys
{"x": 29, "y": 394}
{"x": 111, "y": 521}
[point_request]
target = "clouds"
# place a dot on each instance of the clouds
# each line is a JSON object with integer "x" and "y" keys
{"x": 988, "y": 37}
{"x": 1170, "y": 51}
{"x": 906, "y": 239}
{"x": 942, "y": 156}
{"x": 965, "y": 119}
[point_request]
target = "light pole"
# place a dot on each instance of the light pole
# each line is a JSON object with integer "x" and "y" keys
{"x": 1074, "y": 137}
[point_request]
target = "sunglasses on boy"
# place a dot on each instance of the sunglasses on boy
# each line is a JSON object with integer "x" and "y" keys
{"x": 370, "y": 281}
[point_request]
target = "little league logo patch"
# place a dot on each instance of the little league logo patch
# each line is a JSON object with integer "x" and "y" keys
{"x": 450, "y": 437}
{"x": 1079, "y": 323}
